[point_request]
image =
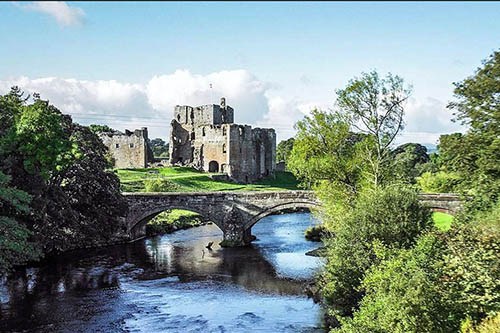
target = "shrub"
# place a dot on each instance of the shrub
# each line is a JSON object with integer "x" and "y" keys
{"x": 439, "y": 182}
{"x": 392, "y": 217}
{"x": 401, "y": 294}
{"x": 159, "y": 185}
{"x": 446, "y": 283}
{"x": 315, "y": 233}
{"x": 488, "y": 325}
{"x": 472, "y": 266}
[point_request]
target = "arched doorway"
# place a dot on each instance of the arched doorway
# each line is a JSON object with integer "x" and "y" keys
{"x": 213, "y": 166}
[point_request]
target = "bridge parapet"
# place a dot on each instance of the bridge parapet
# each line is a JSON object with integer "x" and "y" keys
{"x": 236, "y": 212}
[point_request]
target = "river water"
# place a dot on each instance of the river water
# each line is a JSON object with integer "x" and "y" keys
{"x": 172, "y": 283}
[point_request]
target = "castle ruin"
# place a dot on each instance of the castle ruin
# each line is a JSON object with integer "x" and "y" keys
{"x": 207, "y": 139}
{"x": 130, "y": 150}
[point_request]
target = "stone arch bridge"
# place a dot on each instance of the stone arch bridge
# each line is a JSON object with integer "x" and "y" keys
{"x": 236, "y": 212}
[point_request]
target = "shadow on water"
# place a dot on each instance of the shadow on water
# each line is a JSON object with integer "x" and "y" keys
{"x": 171, "y": 283}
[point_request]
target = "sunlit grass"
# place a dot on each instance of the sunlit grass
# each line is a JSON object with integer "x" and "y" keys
{"x": 191, "y": 180}
{"x": 442, "y": 220}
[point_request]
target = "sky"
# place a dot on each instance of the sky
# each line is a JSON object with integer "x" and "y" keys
{"x": 128, "y": 64}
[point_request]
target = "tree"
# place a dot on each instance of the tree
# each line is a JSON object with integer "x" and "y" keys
{"x": 402, "y": 294}
{"x": 477, "y": 104}
{"x": 375, "y": 106}
{"x": 159, "y": 147}
{"x": 62, "y": 166}
{"x": 101, "y": 129}
{"x": 284, "y": 150}
{"x": 325, "y": 150}
{"x": 15, "y": 246}
{"x": 407, "y": 161}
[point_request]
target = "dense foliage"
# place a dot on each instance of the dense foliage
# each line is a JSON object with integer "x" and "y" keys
{"x": 62, "y": 166}
{"x": 390, "y": 217}
{"x": 388, "y": 269}
{"x": 15, "y": 247}
{"x": 159, "y": 147}
{"x": 284, "y": 149}
{"x": 408, "y": 162}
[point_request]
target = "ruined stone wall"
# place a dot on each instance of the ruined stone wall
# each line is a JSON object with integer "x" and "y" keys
{"x": 212, "y": 143}
{"x": 203, "y": 115}
{"x": 129, "y": 149}
{"x": 205, "y": 138}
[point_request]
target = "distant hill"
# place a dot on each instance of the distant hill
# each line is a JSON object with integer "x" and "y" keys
{"x": 431, "y": 148}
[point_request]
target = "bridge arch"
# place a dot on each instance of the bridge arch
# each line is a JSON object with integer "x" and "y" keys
{"x": 278, "y": 208}
{"x": 137, "y": 225}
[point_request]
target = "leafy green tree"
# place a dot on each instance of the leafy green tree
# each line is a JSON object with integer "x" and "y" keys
{"x": 325, "y": 150}
{"x": 407, "y": 161}
{"x": 15, "y": 246}
{"x": 284, "y": 150}
{"x": 447, "y": 283}
{"x": 95, "y": 128}
{"x": 39, "y": 136}
{"x": 439, "y": 182}
{"x": 477, "y": 104}
{"x": 375, "y": 106}
{"x": 62, "y": 165}
{"x": 159, "y": 147}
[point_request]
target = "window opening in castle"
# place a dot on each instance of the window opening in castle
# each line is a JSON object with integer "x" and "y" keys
{"x": 179, "y": 117}
{"x": 224, "y": 148}
{"x": 131, "y": 145}
{"x": 203, "y": 131}
{"x": 224, "y": 131}
{"x": 192, "y": 136}
{"x": 117, "y": 146}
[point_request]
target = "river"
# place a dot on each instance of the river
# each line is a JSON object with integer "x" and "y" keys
{"x": 173, "y": 283}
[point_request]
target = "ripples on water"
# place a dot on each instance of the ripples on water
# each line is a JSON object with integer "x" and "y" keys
{"x": 172, "y": 283}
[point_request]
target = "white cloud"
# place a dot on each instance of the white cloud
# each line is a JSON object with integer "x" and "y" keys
{"x": 128, "y": 105}
{"x": 426, "y": 120}
{"x": 60, "y": 11}
{"x": 124, "y": 105}
{"x": 243, "y": 91}
{"x": 284, "y": 113}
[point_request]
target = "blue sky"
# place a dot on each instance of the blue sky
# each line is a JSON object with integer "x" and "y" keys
{"x": 129, "y": 63}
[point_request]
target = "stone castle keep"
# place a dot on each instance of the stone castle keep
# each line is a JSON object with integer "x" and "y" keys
{"x": 206, "y": 138}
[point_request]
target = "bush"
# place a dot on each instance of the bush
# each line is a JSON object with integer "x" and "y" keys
{"x": 159, "y": 185}
{"x": 401, "y": 294}
{"x": 173, "y": 220}
{"x": 472, "y": 266}
{"x": 446, "y": 283}
{"x": 315, "y": 233}
{"x": 488, "y": 325}
{"x": 392, "y": 217}
{"x": 439, "y": 182}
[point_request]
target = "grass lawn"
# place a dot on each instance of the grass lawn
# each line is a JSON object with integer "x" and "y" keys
{"x": 442, "y": 220}
{"x": 184, "y": 179}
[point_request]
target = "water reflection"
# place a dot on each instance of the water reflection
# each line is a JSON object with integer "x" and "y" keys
{"x": 172, "y": 283}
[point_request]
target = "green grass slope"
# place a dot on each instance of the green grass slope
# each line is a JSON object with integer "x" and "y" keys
{"x": 184, "y": 179}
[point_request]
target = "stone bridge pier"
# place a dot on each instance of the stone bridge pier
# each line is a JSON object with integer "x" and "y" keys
{"x": 233, "y": 212}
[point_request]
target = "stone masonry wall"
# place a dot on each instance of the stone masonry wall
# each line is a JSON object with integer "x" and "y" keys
{"x": 129, "y": 149}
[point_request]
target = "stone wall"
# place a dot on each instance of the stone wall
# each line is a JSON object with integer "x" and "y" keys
{"x": 129, "y": 149}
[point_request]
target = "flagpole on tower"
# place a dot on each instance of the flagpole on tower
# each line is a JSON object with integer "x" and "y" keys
{"x": 211, "y": 95}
